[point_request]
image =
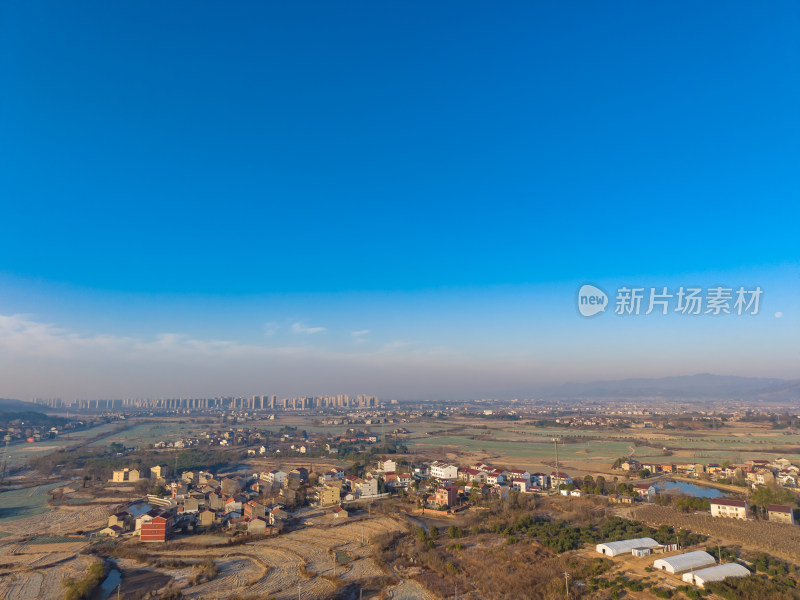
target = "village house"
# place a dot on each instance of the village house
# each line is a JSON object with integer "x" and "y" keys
{"x": 443, "y": 471}
{"x": 559, "y": 479}
{"x": 158, "y": 529}
{"x": 328, "y": 495}
{"x": 446, "y": 495}
{"x": 780, "y": 513}
{"x": 519, "y": 474}
{"x": 145, "y": 518}
{"x": 124, "y": 520}
{"x": 725, "y": 507}
{"x": 256, "y": 525}
{"x": 112, "y": 531}
{"x": 385, "y": 466}
{"x": 472, "y": 475}
{"x": 159, "y": 472}
{"x": 189, "y": 505}
{"x": 233, "y": 505}
{"x": 274, "y": 477}
{"x": 253, "y": 509}
{"x": 335, "y": 474}
{"x": 277, "y": 515}
{"x": 367, "y": 488}
{"x": 206, "y": 518}
{"x": 215, "y": 501}
{"x": 495, "y": 476}
{"x": 340, "y": 513}
{"x": 645, "y": 491}
{"x": 178, "y": 489}
{"x": 298, "y": 475}
{"x": 760, "y": 476}
{"x": 520, "y": 485}
{"x": 732, "y": 472}
{"x": 125, "y": 474}
{"x": 540, "y": 480}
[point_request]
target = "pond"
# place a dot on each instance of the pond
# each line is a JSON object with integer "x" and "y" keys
{"x": 689, "y": 489}
{"x": 137, "y": 509}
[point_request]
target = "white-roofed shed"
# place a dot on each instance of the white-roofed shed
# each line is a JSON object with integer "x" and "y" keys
{"x": 625, "y": 546}
{"x": 718, "y": 573}
{"x": 698, "y": 559}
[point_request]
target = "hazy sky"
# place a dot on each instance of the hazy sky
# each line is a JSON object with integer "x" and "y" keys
{"x": 300, "y": 198}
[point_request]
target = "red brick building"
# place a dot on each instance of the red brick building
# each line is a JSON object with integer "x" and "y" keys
{"x": 159, "y": 529}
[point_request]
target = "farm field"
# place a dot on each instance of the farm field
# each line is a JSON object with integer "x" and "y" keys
{"x": 21, "y": 453}
{"x": 301, "y": 562}
{"x": 149, "y": 432}
{"x": 25, "y": 502}
{"x": 35, "y": 571}
{"x": 592, "y": 451}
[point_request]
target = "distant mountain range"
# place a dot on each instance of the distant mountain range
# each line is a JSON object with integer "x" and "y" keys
{"x": 702, "y": 386}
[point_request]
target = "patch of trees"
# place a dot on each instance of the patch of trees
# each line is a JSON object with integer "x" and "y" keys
{"x": 83, "y": 589}
{"x": 682, "y": 503}
{"x": 755, "y": 588}
{"x": 98, "y": 464}
{"x": 764, "y": 496}
{"x": 31, "y": 418}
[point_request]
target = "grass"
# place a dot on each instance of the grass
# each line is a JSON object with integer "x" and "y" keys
{"x": 52, "y": 539}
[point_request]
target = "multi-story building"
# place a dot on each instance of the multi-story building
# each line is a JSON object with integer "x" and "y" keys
{"x": 441, "y": 470}
{"x": 447, "y": 494}
{"x": 725, "y": 507}
{"x": 125, "y": 475}
{"x": 328, "y": 495}
{"x": 158, "y": 529}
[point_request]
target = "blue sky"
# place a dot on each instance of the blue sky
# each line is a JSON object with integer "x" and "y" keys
{"x": 266, "y": 180}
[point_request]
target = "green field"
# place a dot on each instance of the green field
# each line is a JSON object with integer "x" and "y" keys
{"x": 26, "y": 502}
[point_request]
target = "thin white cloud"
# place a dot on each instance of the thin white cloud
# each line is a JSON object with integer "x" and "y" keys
{"x": 298, "y": 327}
{"x": 360, "y": 333}
{"x": 270, "y": 328}
{"x": 42, "y": 359}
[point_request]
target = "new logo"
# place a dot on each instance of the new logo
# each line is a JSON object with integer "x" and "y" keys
{"x": 591, "y": 300}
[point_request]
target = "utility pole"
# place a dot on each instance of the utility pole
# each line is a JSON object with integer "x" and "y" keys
{"x": 5, "y": 463}
{"x": 566, "y": 583}
{"x": 558, "y": 472}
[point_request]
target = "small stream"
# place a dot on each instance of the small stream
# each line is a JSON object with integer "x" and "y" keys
{"x": 109, "y": 585}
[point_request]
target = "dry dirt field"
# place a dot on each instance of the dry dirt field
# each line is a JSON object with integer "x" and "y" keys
{"x": 60, "y": 521}
{"x": 33, "y": 571}
{"x": 279, "y": 568}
